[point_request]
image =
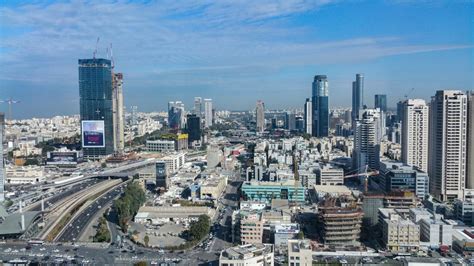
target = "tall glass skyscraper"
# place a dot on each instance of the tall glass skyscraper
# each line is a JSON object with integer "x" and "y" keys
{"x": 95, "y": 93}
{"x": 320, "y": 102}
{"x": 381, "y": 102}
{"x": 357, "y": 98}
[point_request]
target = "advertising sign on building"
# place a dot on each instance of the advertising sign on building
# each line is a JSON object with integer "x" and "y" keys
{"x": 93, "y": 134}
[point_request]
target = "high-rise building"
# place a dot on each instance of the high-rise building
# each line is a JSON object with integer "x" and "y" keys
{"x": 415, "y": 134}
{"x": 197, "y": 106}
{"x": 260, "y": 116}
{"x": 470, "y": 142}
{"x": 117, "y": 107}
{"x": 2, "y": 162}
{"x": 367, "y": 140}
{"x": 290, "y": 121}
{"x": 193, "y": 126}
{"x": 381, "y": 102}
{"x": 400, "y": 109}
{"x": 95, "y": 92}
{"x": 447, "y": 144}
{"x": 176, "y": 115}
{"x": 320, "y": 102}
{"x": 208, "y": 112}
{"x": 308, "y": 116}
{"x": 357, "y": 98}
{"x": 134, "y": 115}
{"x": 161, "y": 175}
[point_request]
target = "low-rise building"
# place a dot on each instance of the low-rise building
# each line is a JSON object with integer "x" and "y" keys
{"x": 174, "y": 162}
{"x": 251, "y": 254}
{"x": 329, "y": 175}
{"x": 18, "y": 175}
{"x": 399, "y": 234}
{"x": 300, "y": 253}
{"x": 213, "y": 187}
{"x": 463, "y": 240}
{"x": 436, "y": 232}
{"x": 266, "y": 191}
{"x": 284, "y": 233}
{"x": 160, "y": 145}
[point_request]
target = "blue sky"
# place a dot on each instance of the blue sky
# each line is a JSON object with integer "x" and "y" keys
{"x": 234, "y": 51}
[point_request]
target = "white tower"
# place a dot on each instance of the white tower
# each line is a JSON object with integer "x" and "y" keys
{"x": 415, "y": 129}
{"x": 208, "y": 112}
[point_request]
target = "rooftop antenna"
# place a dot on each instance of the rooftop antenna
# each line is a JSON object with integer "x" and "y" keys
{"x": 96, "y": 47}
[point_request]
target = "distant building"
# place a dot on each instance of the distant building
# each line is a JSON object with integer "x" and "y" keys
{"x": 2, "y": 162}
{"x": 95, "y": 101}
{"x": 308, "y": 117}
{"x": 320, "y": 104}
{"x": 381, "y": 102}
{"x": 176, "y": 115}
{"x": 357, "y": 98}
{"x": 162, "y": 177}
{"x": 208, "y": 117}
{"x": 447, "y": 164}
{"x": 260, "y": 116}
{"x": 290, "y": 121}
{"x": 415, "y": 126}
{"x": 251, "y": 254}
{"x": 193, "y": 128}
{"x": 198, "y": 106}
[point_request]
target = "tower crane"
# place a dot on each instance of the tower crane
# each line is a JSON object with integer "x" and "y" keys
{"x": 9, "y": 101}
{"x": 96, "y": 47}
{"x": 366, "y": 175}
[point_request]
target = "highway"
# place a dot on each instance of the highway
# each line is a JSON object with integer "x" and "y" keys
{"x": 75, "y": 228}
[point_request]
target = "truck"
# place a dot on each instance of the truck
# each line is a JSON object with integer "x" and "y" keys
{"x": 443, "y": 250}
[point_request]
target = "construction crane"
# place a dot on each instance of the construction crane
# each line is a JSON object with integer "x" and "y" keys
{"x": 366, "y": 175}
{"x": 408, "y": 93}
{"x": 10, "y": 102}
{"x": 96, "y": 47}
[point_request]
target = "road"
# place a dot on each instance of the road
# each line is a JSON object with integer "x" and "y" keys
{"x": 75, "y": 228}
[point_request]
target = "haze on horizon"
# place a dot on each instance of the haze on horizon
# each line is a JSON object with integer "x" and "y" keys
{"x": 234, "y": 52}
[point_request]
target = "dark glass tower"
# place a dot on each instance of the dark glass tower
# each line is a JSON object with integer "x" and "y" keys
{"x": 357, "y": 98}
{"x": 320, "y": 102}
{"x": 193, "y": 126}
{"x": 95, "y": 93}
{"x": 381, "y": 102}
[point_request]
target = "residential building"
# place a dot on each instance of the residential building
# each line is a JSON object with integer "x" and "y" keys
{"x": 399, "y": 234}
{"x": 367, "y": 137}
{"x": 308, "y": 116}
{"x": 208, "y": 117}
{"x": 95, "y": 102}
{"x": 300, "y": 253}
{"x": 381, "y": 102}
{"x": 251, "y": 254}
{"x": 470, "y": 142}
{"x": 329, "y": 175}
{"x": 320, "y": 104}
{"x": 260, "y": 116}
{"x": 415, "y": 127}
{"x": 447, "y": 144}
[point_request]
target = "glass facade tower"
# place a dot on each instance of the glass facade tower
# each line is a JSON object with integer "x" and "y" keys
{"x": 95, "y": 93}
{"x": 320, "y": 104}
{"x": 381, "y": 102}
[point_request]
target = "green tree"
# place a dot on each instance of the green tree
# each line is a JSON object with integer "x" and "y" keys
{"x": 146, "y": 239}
{"x": 129, "y": 203}
{"x": 300, "y": 235}
{"x": 140, "y": 263}
{"x": 199, "y": 229}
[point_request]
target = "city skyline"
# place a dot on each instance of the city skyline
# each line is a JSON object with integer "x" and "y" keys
{"x": 267, "y": 51}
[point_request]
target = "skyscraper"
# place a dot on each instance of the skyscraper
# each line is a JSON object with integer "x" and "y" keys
{"x": 367, "y": 138}
{"x": 134, "y": 115}
{"x": 447, "y": 144}
{"x": 320, "y": 100}
{"x": 176, "y": 115}
{"x": 470, "y": 141}
{"x": 290, "y": 121}
{"x": 308, "y": 116}
{"x": 415, "y": 129}
{"x": 208, "y": 112}
{"x": 381, "y": 102}
{"x": 193, "y": 126}
{"x": 95, "y": 92}
{"x": 197, "y": 106}
{"x": 117, "y": 107}
{"x": 357, "y": 97}
{"x": 2, "y": 162}
{"x": 260, "y": 116}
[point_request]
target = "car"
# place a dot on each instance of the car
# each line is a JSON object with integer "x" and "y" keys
{"x": 343, "y": 261}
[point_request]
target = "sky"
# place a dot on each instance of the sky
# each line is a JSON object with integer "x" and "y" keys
{"x": 234, "y": 51}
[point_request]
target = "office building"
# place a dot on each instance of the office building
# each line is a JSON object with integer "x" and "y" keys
{"x": 308, "y": 116}
{"x": 399, "y": 234}
{"x": 367, "y": 140}
{"x": 197, "y": 106}
{"x": 329, "y": 175}
{"x": 290, "y": 121}
{"x": 260, "y": 116}
{"x": 97, "y": 118}
{"x": 357, "y": 98}
{"x": 134, "y": 115}
{"x": 415, "y": 127}
{"x": 397, "y": 176}
{"x": 447, "y": 144}
{"x": 176, "y": 115}
{"x": 162, "y": 180}
{"x": 2, "y": 161}
{"x": 250, "y": 254}
{"x": 299, "y": 124}
{"x": 436, "y": 232}
{"x": 161, "y": 145}
{"x": 117, "y": 107}
{"x": 208, "y": 114}
{"x": 381, "y": 102}
{"x": 470, "y": 142}
{"x": 320, "y": 104}
{"x": 290, "y": 190}
{"x": 193, "y": 127}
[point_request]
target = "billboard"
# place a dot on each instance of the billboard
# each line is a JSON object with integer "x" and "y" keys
{"x": 62, "y": 158}
{"x": 93, "y": 134}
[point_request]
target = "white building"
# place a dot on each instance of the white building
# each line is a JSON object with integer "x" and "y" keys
{"x": 160, "y": 145}
{"x": 118, "y": 114}
{"x": 415, "y": 133}
{"x": 19, "y": 175}
{"x": 260, "y": 116}
{"x": 174, "y": 162}
{"x": 367, "y": 138}
{"x": 197, "y": 106}
{"x": 329, "y": 175}
{"x": 300, "y": 253}
{"x": 2, "y": 166}
{"x": 251, "y": 254}
{"x": 308, "y": 116}
{"x": 447, "y": 144}
{"x": 208, "y": 112}
{"x": 436, "y": 232}
{"x": 400, "y": 235}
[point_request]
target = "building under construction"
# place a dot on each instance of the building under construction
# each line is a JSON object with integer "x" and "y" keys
{"x": 340, "y": 220}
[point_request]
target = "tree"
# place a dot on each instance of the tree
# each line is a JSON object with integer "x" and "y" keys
{"x": 146, "y": 239}
{"x": 140, "y": 263}
{"x": 300, "y": 235}
{"x": 199, "y": 229}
